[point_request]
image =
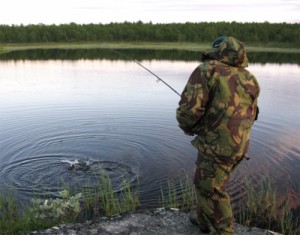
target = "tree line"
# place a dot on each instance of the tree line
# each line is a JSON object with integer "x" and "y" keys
{"x": 138, "y": 31}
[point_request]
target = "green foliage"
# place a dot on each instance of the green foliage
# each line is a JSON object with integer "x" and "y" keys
{"x": 65, "y": 208}
{"x": 109, "y": 200}
{"x": 93, "y": 201}
{"x": 148, "y": 32}
{"x": 188, "y": 193}
{"x": 101, "y": 199}
{"x": 39, "y": 214}
{"x": 260, "y": 210}
{"x": 129, "y": 200}
{"x": 111, "y": 203}
{"x": 180, "y": 196}
{"x": 8, "y": 213}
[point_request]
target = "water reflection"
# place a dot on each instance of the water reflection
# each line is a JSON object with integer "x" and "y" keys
{"x": 138, "y": 54}
{"x": 114, "y": 111}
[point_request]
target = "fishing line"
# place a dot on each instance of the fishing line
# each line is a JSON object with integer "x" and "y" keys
{"x": 138, "y": 63}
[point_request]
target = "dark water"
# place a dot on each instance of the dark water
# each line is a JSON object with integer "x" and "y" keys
{"x": 115, "y": 115}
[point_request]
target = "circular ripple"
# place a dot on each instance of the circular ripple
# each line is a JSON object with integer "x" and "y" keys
{"x": 48, "y": 174}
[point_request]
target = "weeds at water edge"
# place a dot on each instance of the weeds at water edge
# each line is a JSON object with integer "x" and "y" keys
{"x": 260, "y": 209}
{"x": 100, "y": 199}
{"x": 180, "y": 195}
{"x": 90, "y": 202}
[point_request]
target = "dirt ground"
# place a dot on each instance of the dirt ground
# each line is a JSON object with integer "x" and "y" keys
{"x": 155, "y": 222}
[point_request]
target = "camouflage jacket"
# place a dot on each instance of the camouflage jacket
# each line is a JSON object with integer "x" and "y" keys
{"x": 219, "y": 102}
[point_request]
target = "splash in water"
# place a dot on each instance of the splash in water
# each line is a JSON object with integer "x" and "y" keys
{"x": 78, "y": 165}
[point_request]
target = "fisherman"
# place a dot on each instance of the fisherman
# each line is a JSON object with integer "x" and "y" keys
{"x": 219, "y": 106}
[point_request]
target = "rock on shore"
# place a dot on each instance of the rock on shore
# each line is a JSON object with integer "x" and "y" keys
{"x": 154, "y": 222}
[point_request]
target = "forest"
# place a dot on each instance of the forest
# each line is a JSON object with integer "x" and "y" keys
{"x": 283, "y": 34}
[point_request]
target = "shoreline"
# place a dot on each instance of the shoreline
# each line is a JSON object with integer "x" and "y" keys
{"x": 149, "y": 222}
{"x": 9, "y": 47}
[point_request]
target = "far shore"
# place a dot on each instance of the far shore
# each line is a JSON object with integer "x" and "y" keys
{"x": 5, "y": 48}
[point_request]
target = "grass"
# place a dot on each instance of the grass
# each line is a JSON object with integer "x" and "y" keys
{"x": 180, "y": 195}
{"x": 14, "y": 222}
{"x": 259, "y": 208}
{"x": 102, "y": 200}
{"x": 139, "y": 45}
{"x": 99, "y": 199}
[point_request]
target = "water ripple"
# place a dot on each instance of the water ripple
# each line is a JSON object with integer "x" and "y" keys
{"x": 44, "y": 175}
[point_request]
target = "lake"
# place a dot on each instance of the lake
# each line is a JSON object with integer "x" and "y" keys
{"x": 113, "y": 114}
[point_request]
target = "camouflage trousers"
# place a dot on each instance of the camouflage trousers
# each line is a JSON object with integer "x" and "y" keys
{"x": 213, "y": 209}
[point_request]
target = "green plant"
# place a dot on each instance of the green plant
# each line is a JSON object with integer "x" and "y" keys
{"x": 101, "y": 199}
{"x": 16, "y": 218}
{"x": 8, "y": 212}
{"x": 188, "y": 193}
{"x": 182, "y": 196}
{"x": 260, "y": 209}
{"x": 65, "y": 208}
{"x": 109, "y": 201}
{"x": 129, "y": 200}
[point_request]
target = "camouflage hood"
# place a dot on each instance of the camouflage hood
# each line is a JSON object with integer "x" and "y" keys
{"x": 230, "y": 51}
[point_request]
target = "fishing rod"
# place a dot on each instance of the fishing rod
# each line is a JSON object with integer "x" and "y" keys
{"x": 138, "y": 63}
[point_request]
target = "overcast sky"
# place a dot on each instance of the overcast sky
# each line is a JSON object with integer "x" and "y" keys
{"x": 157, "y": 11}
